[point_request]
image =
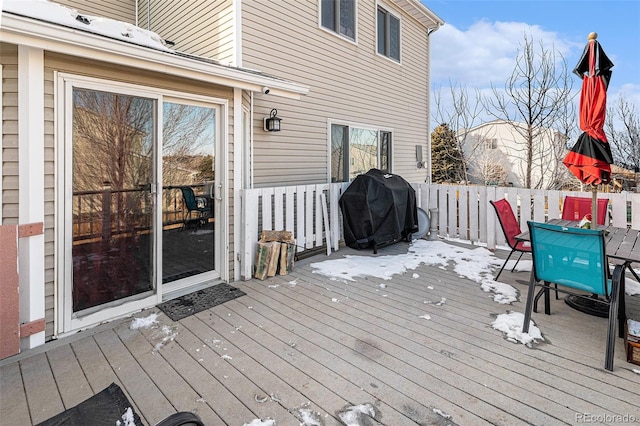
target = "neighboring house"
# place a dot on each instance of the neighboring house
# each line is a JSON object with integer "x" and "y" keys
{"x": 496, "y": 155}
{"x": 138, "y": 102}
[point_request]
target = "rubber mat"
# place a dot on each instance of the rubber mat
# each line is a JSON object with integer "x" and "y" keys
{"x": 198, "y": 301}
{"x": 107, "y": 408}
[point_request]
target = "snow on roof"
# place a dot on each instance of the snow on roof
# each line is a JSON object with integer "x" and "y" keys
{"x": 45, "y": 10}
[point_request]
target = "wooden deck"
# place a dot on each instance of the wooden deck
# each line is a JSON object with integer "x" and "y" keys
{"x": 303, "y": 346}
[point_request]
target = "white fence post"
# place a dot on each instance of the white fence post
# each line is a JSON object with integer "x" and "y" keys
{"x": 463, "y": 212}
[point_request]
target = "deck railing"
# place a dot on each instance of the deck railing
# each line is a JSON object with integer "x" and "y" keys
{"x": 463, "y": 213}
{"x": 103, "y": 213}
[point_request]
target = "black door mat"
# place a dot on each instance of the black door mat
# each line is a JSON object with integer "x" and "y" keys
{"x": 200, "y": 300}
{"x": 105, "y": 408}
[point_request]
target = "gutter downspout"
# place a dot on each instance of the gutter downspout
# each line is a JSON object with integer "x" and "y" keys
{"x": 429, "y": 168}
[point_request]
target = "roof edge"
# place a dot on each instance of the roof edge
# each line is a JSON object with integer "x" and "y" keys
{"x": 27, "y": 31}
{"x": 421, "y": 13}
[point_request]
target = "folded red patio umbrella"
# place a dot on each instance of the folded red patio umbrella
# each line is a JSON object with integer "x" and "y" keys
{"x": 590, "y": 158}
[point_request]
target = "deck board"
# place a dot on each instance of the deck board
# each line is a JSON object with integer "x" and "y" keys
{"x": 317, "y": 340}
{"x": 301, "y": 385}
{"x": 14, "y": 409}
{"x": 422, "y": 360}
{"x": 40, "y": 387}
{"x": 484, "y": 337}
{"x": 187, "y": 356}
{"x": 70, "y": 379}
{"x": 95, "y": 366}
{"x": 289, "y": 347}
{"x": 306, "y": 342}
{"x": 140, "y": 387}
{"x": 409, "y": 370}
{"x": 163, "y": 374}
{"x": 233, "y": 378}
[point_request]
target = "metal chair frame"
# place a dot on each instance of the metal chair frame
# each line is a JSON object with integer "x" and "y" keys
{"x": 575, "y": 258}
{"x": 510, "y": 228}
{"x": 191, "y": 203}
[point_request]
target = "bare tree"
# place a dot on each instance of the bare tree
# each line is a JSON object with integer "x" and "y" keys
{"x": 623, "y": 131}
{"x": 534, "y": 101}
{"x": 461, "y": 112}
{"x": 490, "y": 169}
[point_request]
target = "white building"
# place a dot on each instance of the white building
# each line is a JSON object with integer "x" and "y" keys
{"x": 496, "y": 153}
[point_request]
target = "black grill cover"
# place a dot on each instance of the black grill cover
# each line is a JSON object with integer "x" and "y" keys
{"x": 378, "y": 209}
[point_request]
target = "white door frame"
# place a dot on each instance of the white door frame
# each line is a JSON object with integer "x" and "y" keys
{"x": 66, "y": 321}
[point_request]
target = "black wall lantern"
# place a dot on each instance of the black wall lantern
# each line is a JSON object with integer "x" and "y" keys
{"x": 272, "y": 123}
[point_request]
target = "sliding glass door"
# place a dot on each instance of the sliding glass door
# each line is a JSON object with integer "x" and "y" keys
{"x": 140, "y": 211}
{"x": 112, "y": 206}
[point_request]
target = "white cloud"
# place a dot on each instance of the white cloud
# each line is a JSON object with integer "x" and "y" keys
{"x": 486, "y": 51}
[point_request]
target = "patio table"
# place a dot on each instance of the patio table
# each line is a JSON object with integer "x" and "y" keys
{"x": 622, "y": 246}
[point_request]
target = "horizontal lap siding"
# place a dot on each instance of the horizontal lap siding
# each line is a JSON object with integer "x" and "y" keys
{"x": 120, "y": 10}
{"x": 9, "y": 196}
{"x": 49, "y": 203}
{"x": 199, "y": 27}
{"x": 348, "y": 82}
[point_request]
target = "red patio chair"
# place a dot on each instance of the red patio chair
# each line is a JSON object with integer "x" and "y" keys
{"x": 510, "y": 228}
{"x": 575, "y": 208}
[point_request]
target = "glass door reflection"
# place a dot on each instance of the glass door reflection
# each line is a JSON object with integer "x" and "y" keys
{"x": 112, "y": 210}
{"x": 188, "y": 170}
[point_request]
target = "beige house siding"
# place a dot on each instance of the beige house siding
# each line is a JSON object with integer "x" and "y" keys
{"x": 121, "y": 10}
{"x": 199, "y": 27}
{"x": 9, "y": 205}
{"x": 349, "y": 82}
{"x": 49, "y": 202}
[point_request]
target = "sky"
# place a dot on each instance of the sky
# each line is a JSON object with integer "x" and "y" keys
{"x": 480, "y": 39}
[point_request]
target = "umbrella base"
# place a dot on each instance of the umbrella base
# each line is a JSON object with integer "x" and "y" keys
{"x": 588, "y": 306}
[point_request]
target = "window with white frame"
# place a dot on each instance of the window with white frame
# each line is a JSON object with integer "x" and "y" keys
{"x": 339, "y": 16}
{"x": 388, "y": 34}
{"x": 356, "y": 150}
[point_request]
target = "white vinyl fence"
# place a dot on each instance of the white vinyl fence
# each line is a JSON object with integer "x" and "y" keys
{"x": 312, "y": 213}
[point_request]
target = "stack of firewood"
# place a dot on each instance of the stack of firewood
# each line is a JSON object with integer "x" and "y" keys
{"x": 275, "y": 254}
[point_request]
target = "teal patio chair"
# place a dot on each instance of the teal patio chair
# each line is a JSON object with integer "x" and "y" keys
{"x": 574, "y": 258}
{"x": 195, "y": 205}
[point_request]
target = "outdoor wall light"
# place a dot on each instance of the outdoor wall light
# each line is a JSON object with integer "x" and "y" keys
{"x": 272, "y": 123}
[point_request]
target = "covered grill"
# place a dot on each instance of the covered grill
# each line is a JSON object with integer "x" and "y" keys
{"x": 378, "y": 209}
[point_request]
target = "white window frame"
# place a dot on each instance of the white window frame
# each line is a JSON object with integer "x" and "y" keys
{"x": 356, "y": 125}
{"x": 336, "y": 32}
{"x": 389, "y": 12}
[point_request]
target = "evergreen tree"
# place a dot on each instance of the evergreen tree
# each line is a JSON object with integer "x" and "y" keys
{"x": 447, "y": 164}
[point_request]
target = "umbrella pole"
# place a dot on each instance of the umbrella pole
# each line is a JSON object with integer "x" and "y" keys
{"x": 594, "y": 207}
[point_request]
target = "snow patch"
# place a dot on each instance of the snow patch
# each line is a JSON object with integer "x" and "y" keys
{"x": 511, "y": 325}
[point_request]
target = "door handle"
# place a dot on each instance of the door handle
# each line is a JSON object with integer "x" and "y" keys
{"x": 219, "y": 197}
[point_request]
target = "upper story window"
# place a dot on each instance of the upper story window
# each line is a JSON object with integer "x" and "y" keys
{"x": 355, "y": 151}
{"x": 388, "y": 35}
{"x": 491, "y": 143}
{"x": 339, "y": 16}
